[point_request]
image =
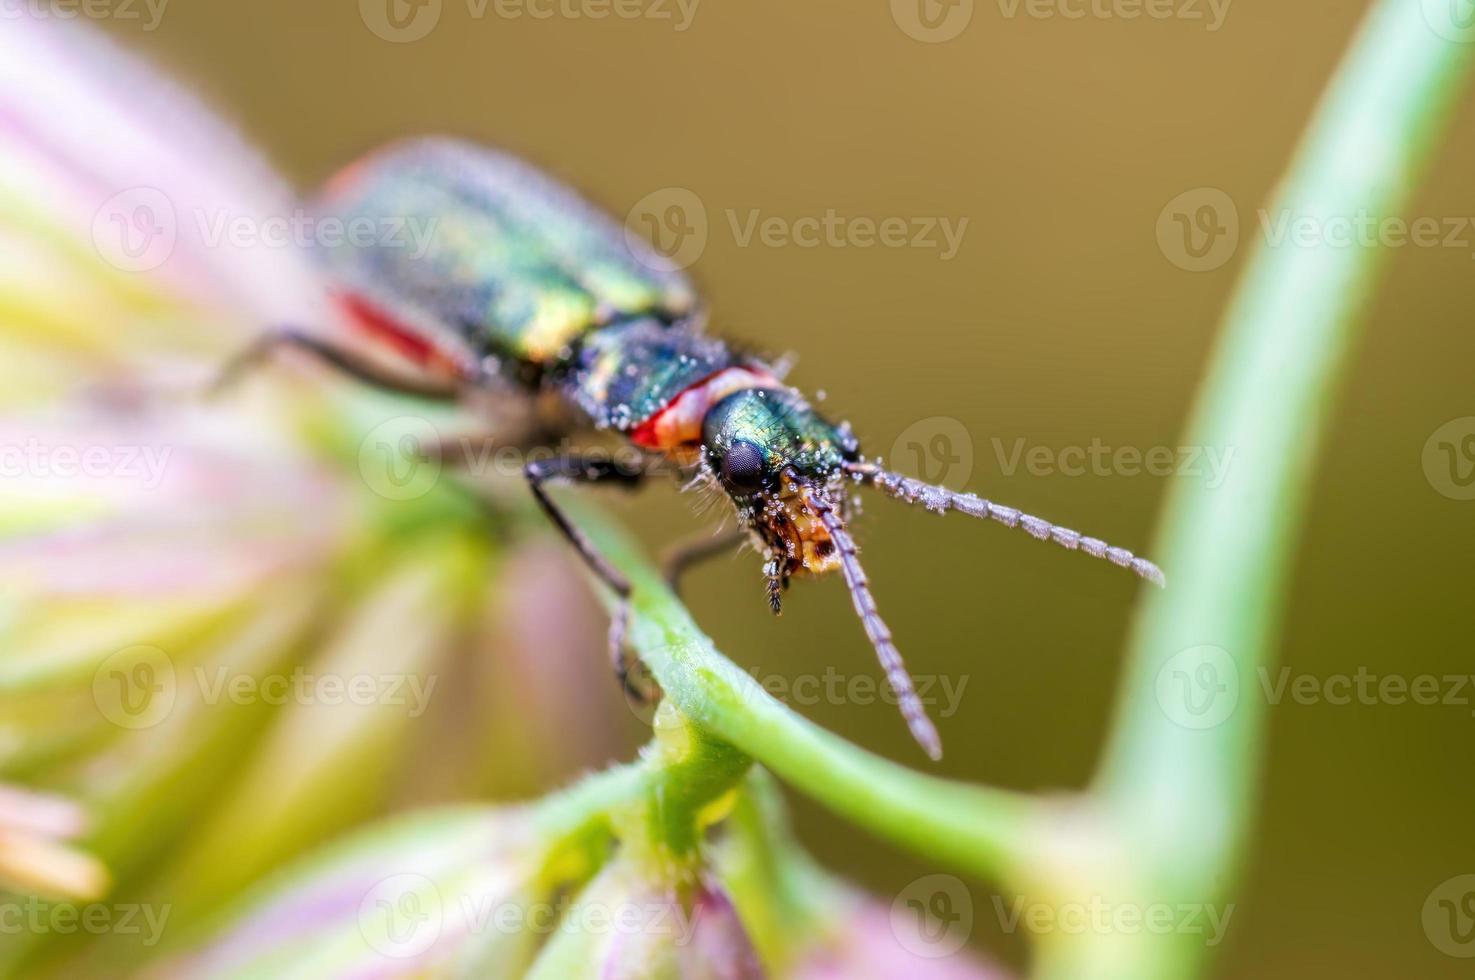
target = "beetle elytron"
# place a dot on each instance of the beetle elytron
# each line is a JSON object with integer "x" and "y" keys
{"x": 529, "y": 287}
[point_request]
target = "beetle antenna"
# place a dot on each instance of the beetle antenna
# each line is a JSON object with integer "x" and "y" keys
{"x": 940, "y": 499}
{"x": 876, "y": 629}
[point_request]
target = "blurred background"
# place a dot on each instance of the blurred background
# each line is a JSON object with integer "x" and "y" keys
{"x": 1100, "y": 178}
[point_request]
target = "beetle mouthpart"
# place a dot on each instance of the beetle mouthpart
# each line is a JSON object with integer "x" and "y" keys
{"x": 801, "y": 543}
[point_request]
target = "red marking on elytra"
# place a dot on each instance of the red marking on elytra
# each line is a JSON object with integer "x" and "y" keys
{"x": 394, "y": 334}
{"x": 644, "y": 434}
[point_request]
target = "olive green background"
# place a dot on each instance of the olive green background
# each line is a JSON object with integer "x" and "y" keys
{"x": 1059, "y": 321}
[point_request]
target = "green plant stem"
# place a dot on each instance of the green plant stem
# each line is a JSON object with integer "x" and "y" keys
{"x": 972, "y": 828}
{"x": 1181, "y": 796}
{"x": 690, "y": 772}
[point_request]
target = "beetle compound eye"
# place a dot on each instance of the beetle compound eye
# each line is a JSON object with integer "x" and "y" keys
{"x": 744, "y": 467}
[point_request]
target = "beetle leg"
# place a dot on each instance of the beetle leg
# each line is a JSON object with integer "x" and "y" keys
{"x": 687, "y": 554}
{"x": 579, "y": 469}
{"x": 349, "y": 362}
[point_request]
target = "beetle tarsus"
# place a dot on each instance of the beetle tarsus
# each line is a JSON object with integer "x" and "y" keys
{"x": 347, "y": 362}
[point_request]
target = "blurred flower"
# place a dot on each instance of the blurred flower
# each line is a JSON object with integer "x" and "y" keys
{"x": 437, "y": 894}
{"x": 32, "y": 857}
{"x": 867, "y": 942}
{"x": 629, "y": 924}
{"x": 215, "y": 634}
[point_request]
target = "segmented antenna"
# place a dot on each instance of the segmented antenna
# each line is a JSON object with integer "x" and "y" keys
{"x": 912, "y": 710}
{"x": 940, "y": 499}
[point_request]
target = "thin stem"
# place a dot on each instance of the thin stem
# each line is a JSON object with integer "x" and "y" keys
{"x": 1179, "y": 774}
{"x": 972, "y": 828}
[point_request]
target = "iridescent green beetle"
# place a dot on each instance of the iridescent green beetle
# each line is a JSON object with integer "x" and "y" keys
{"x": 527, "y": 287}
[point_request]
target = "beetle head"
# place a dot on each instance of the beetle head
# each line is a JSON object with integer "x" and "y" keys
{"x": 788, "y": 472}
{"x": 780, "y": 461}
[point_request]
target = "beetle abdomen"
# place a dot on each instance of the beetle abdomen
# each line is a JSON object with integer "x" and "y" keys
{"x": 481, "y": 250}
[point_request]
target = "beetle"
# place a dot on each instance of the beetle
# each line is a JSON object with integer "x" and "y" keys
{"x": 530, "y": 289}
